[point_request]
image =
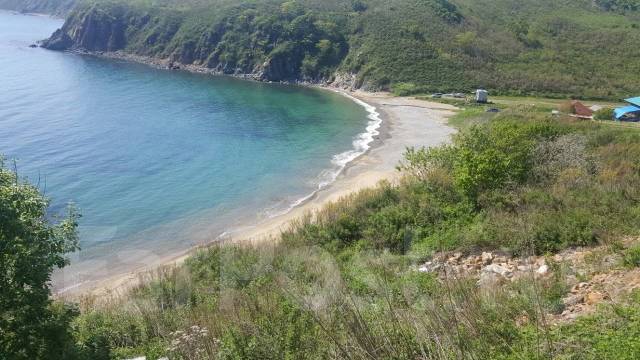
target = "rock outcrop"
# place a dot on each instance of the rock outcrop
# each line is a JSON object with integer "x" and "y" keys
{"x": 602, "y": 281}
{"x": 92, "y": 30}
{"x": 489, "y": 268}
{"x": 235, "y": 45}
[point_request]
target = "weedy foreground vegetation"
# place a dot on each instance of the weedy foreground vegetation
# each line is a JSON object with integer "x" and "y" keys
{"x": 343, "y": 283}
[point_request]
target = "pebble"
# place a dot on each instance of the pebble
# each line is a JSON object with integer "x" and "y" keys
{"x": 497, "y": 269}
{"x": 543, "y": 270}
{"x": 594, "y": 298}
{"x": 486, "y": 257}
{"x": 573, "y": 300}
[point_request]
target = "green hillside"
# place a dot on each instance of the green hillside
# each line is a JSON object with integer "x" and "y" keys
{"x": 555, "y": 48}
{"x": 53, "y": 7}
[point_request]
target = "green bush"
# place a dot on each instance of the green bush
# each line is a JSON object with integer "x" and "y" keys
{"x": 612, "y": 333}
{"x": 32, "y": 326}
{"x": 604, "y": 114}
{"x": 404, "y": 89}
{"x": 631, "y": 257}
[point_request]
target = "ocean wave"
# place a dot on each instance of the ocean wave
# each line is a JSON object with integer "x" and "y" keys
{"x": 361, "y": 144}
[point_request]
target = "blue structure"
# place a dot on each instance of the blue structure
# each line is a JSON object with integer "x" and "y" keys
{"x": 634, "y": 101}
{"x": 630, "y": 112}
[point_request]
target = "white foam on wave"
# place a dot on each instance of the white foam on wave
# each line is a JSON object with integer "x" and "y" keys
{"x": 361, "y": 144}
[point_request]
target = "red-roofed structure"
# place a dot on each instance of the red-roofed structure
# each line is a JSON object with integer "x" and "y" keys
{"x": 581, "y": 111}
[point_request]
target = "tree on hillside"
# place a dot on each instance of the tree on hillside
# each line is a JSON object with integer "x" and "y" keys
{"x": 32, "y": 326}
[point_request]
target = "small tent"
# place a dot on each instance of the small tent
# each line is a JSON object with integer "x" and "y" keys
{"x": 630, "y": 112}
{"x": 627, "y": 113}
{"x": 634, "y": 101}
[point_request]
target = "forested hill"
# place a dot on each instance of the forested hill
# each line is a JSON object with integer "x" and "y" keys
{"x": 53, "y": 7}
{"x": 582, "y": 48}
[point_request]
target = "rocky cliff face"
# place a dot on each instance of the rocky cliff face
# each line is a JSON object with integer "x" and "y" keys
{"x": 287, "y": 46}
{"x": 92, "y": 30}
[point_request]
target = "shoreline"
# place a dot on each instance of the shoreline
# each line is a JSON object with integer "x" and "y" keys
{"x": 394, "y": 124}
{"x": 367, "y": 170}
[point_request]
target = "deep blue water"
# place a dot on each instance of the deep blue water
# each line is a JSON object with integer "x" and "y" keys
{"x": 158, "y": 161}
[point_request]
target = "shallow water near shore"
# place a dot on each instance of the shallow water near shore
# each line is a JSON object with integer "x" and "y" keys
{"x": 157, "y": 161}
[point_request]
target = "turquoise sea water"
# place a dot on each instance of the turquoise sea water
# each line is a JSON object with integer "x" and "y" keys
{"x": 159, "y": 161}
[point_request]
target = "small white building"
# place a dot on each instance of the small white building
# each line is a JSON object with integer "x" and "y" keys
{"x": 482, "y": 96}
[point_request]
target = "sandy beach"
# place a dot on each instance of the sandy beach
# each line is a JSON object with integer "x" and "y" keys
{"x": 406, "y": 122}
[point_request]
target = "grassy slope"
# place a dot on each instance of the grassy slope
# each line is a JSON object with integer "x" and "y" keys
{"x": 54, "y": 7}
{"x": 345, "y": 285}
{"x": 538, "y": 47}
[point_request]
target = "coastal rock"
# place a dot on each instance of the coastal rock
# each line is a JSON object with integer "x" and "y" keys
{"x": 91, "y": 30}
{"x": 345, "y": 81}
{"x": 60, "y": 40}
{"x": 497, "y": 269}
{"x": 279, "y": 68}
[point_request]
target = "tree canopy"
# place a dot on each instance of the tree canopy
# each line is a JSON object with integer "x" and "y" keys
{"x": 32, "y": 245}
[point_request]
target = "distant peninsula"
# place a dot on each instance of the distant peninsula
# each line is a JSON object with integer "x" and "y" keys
{"x": 541, "y": 47}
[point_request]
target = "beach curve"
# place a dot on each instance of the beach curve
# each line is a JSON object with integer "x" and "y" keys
{"x": 396, "y": 123}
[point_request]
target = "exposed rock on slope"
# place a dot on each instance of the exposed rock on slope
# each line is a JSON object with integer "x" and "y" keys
{"x": 592, "y": 276}
{"x": 93, "y": 30}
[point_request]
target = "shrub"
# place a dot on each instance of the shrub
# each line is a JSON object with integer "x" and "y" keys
{"x": 552, "y": 157}
{"x": 404, "y": 89}
{"x": 494, "y": 156}
{"x": 604, "y": 114}
{"x": 31, "y": 247}
{"x": 631, "y": 257}
{"x": 359, "y": 6}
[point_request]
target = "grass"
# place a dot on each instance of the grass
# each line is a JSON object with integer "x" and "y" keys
{"x": 620, "y": 124}
{"x": 548, "y": 102}
{"x": 343, "y": 283}
{"x": 631, "y": 257}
